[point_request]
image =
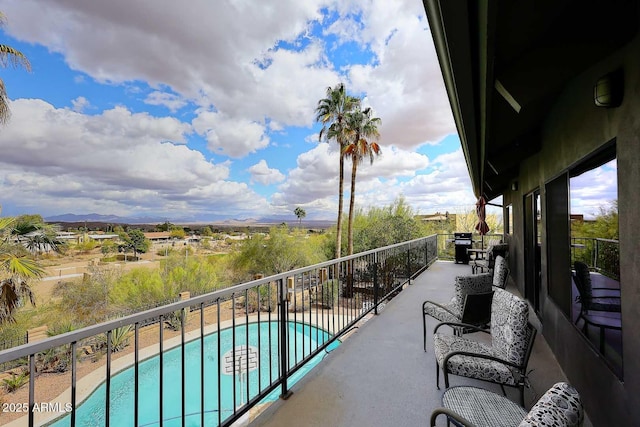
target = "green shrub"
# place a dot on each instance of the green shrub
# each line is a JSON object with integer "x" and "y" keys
{"x": 16, "y": 381}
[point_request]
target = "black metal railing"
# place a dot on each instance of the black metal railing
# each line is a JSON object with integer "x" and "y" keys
{"x": 601, "y": 255}
{"x": 446, "y": 246}
{"x": 231, "y": 350}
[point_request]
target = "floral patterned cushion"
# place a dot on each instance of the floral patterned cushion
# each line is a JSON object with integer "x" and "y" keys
{"x": 469, "y": 366}
{"x": 474, "y": 284}
{"x": 510, "y": 333}
{"x": 447, "y": 312}
{"x": 559, "y": 406}
{"x": 500, "y": 272}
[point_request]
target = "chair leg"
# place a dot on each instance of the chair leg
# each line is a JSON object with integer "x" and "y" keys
{"x": 424, "y": 332}
{"x": 437, "y": 375}
{"x": 504, "y": 392}
{"x": 446, "y": 377}
{"x": 522, "y": 395}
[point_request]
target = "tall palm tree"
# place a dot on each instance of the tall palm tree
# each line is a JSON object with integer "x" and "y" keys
{"x": 331, "y": 112}
{"x": 9, "y": 57}
{"x": 363, "y": 133}
{"x": 16, "y": 269}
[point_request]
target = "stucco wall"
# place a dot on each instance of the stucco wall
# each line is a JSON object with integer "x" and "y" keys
{"x": 574, "y": 128}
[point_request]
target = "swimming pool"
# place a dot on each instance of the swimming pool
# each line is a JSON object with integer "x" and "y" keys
{"x": 92, "y": 411}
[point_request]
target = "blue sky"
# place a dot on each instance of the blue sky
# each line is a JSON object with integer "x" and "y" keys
{"x": 205, "y": 110}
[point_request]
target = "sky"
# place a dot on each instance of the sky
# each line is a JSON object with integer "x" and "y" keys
{"x": 204, "y": 110}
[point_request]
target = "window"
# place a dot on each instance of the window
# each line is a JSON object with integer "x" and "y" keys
{"x": 595, "y": 256}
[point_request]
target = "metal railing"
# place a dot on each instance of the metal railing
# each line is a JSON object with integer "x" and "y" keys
{"x": 601, "y": 255}
{"x": 446, "y": 247}
{"x": 246, "y": 341}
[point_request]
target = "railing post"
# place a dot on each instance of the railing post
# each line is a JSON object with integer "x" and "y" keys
{"x": 409, "y": 264}
{"x": 284, "y": 351}
{"x": 376, "y": 285}
{"x": 596, "y": 255}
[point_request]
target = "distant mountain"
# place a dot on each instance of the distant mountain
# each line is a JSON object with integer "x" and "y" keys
{"x": 94, "y": 217}
{"x": 211, "y": 219}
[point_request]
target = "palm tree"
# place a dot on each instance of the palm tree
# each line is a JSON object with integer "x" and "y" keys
{"x": 300, "y": 213}
{"x": 14, "y": 58}
{"x": 16, "y": 269}
{"x": 363, "y": 131}
{"x": 331, "y": 111}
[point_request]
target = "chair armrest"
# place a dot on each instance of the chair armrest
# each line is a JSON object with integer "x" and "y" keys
{"x": 461, "y": 325}
{"x": 450, "y": 414}
{"x": 438, "y": 305}
{"x": 614, "y": 290}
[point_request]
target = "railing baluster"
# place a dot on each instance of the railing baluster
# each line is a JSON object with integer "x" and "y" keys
{"x": 246, "y": 322}
{"x": 108, "y": 380}
{"x": 284, "y": 354}
{"x": 136, "y": 375}
{"x": 219, "y": 363}
{"x": 73, "y": 383}
{"x": 161, "y": 372}
{"x": 202, "y": 401}
{"x": 32, "y": 380}
{"x": 183, "y": 365}
{"x": 233, "y": 347}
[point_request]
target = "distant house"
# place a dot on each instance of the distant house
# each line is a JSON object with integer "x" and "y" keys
{"x": 158, "y": 236}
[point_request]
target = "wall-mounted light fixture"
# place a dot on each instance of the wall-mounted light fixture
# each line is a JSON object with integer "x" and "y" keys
{"x": 609, "y": 90}
{"x": 514, "y": 186}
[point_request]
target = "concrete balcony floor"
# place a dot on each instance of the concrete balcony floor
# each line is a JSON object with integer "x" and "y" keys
{"x": 381, "y": 376}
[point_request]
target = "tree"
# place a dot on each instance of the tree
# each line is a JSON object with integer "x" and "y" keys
{"x": 278, "y": 252}
{"x": 177, "y": 232}
{"x": 9, "y": 57}
{"x": 300, "y": 213}
{"x": 134, "y": 240}
{"x": 331, "y": 113}
{"x": 17, "y": 268}
{"x": 36, "y": 235}
{"x": 362, "y": 132}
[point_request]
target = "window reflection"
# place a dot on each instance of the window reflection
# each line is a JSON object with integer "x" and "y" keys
{"x": 596, "y": 293}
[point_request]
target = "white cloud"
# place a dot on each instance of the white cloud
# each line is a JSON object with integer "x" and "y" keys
{"x": 171, "y": 101}
{"x": 115, "y": 162}
{"x": 263, "y": 174}
{"x": 234, "y": 137}
{"x": 80, "y": 104}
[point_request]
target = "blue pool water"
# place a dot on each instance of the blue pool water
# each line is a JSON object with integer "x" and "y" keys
{"x": 92, "y": 411}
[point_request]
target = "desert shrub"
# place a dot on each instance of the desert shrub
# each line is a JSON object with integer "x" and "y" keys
{"x": 16, "y": 381}
{"x": 327, "y": 293}
{"x": 119, "y": 339}
{"x": 88, "y": 299}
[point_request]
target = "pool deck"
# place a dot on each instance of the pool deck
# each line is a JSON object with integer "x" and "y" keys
{"x": 381, "y": 376}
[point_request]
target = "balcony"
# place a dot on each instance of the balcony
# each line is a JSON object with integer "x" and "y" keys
{"x": 369, "y": 304}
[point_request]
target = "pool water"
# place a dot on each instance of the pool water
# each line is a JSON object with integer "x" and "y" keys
{"x": 92, "y": 411}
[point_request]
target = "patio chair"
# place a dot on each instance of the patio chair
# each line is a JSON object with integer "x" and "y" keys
{"x": 478, "y": 308}
{"x": 485, "y": 260}
{"x": 590, "y": 302}
{"x": 471, "y": 406}
{"x": 503, "y": 360}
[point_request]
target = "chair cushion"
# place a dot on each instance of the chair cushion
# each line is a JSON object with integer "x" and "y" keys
{"x": 559, "y": 406}
{"x": 474, "y": 284}
{"x": 510, "y": 333}
{"x": 447, "y": 312}
{"x": 469, "y": 366}
{"x": 500, "y": 272}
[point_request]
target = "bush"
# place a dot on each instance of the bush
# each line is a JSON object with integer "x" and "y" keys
{"x": 327, "y": 293}
{"x": 16, "y": 381}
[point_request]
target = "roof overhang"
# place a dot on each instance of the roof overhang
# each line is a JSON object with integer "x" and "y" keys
{"x": 504, "y": 64}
